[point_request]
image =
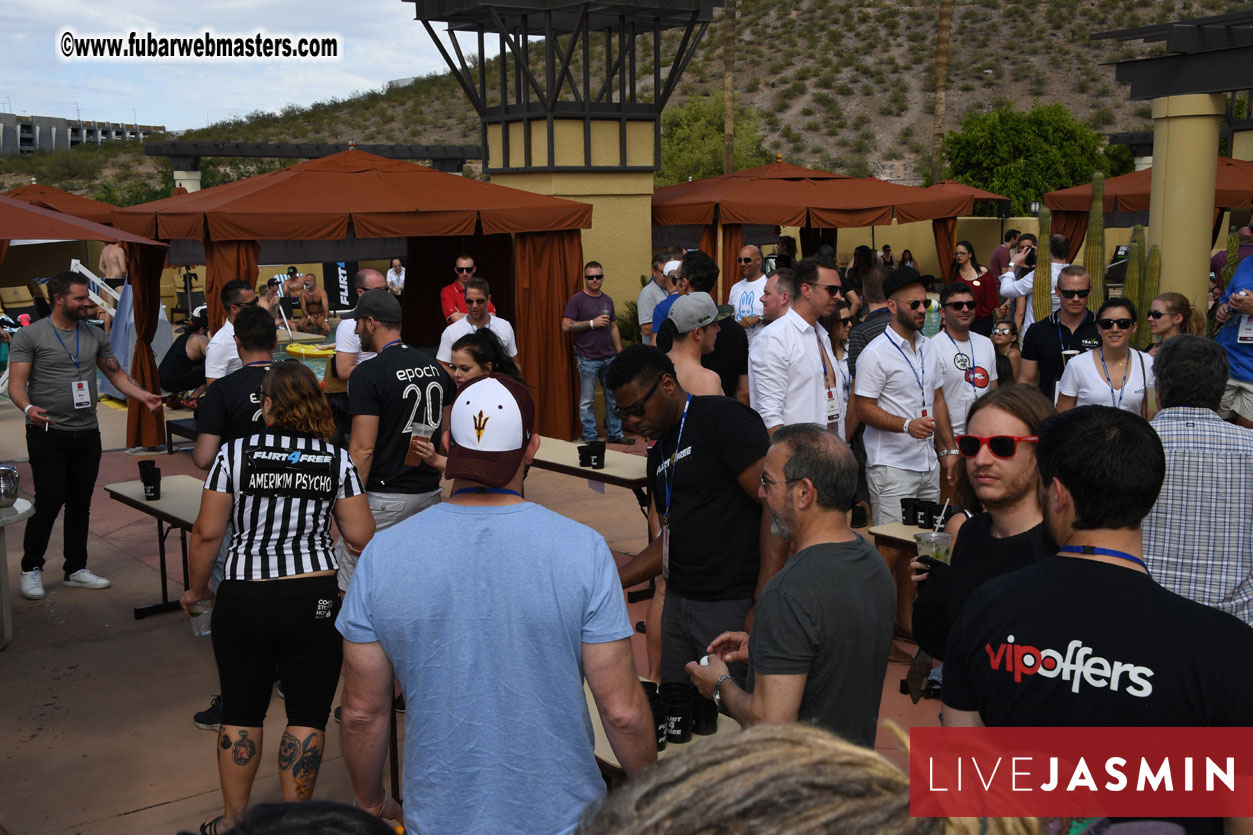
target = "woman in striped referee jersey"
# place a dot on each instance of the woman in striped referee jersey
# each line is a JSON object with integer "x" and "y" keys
{"x": 275, "y": 610}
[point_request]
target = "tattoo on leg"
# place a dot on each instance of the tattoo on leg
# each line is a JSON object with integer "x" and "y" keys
{"x": 288, "y": 751}
{"x": 225, "y": 741}
{"x": 304, "y": 763}
{"x": 244, "y": 749}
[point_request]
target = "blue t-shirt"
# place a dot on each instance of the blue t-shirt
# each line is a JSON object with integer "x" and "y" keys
{"x": 483, "y": 612}
{"x": 1239, "y": 357}
{"x": 662, "y": 310}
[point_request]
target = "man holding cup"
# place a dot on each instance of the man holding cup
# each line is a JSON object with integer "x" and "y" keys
{"x": 1049, "y": 344}
{"x": 400, "y": 394}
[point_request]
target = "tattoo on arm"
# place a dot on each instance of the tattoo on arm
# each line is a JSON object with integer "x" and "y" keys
{"x": 111, "y": 366}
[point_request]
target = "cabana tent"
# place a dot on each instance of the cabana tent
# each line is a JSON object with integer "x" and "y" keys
{"x": 63, "y": 201}
{"x": 357, "y": 205}
{"x": 145, "y": 260}
{"x": 779, "y": 194}
{"x": 1127, "y": 200}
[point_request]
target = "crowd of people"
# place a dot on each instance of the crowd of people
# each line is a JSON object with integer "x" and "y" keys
{"x": 810, "y": 404}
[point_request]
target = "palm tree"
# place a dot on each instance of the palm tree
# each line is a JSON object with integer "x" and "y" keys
{"x": 943, "y": 27}
{"x": 728, "y": 85}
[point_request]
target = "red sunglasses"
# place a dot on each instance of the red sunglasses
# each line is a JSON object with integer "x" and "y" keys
{"x": 1001, "y": 446}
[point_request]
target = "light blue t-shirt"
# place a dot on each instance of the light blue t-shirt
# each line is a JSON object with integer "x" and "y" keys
{"x": 483, "y": 612}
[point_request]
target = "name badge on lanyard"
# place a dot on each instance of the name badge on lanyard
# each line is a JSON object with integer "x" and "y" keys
{"x": 833, "y": 409}
{"x": 1245, "y": 335}
{"x": 81, "y": 394}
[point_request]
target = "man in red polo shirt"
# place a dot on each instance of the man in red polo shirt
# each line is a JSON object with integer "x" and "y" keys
{"x": 452, "y": 298}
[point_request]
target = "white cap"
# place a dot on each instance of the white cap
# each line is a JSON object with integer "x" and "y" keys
{"x": 671, "y": 268}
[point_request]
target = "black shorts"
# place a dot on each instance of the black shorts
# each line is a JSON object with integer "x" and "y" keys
{"x": 688, "y": 626}
{"x": 283, "y": 626}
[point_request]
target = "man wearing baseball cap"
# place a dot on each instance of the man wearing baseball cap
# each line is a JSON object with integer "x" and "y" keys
{"x": 490, "y": 611}
{"x": 695, "y": 318}
{"x": 656, "y": 290}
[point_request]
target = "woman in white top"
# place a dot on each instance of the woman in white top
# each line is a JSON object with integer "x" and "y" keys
{"x": 1115, "y": 374}
{"x": 841, "y": 326}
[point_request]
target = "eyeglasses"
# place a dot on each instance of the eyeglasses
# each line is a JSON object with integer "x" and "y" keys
{"x": 844, "y": 320}
{"x": 476, "y": 302}
{"x": 464, "y": 269}
{"x": 915, "y": 304}
{"x": 961, "y": 305}
{"x": 1070, "y": 294}
{"x": 1122, "y": 324}
{"x": 832, "y": 289}
{"x": 1157, "y": 314}
{"x": 1001, "y": 332}
{"x": 638, "y": 409}
{"x": 1001, "y": 446}
{"x": 744, "y": 260}
{"x": 961, "y": 252}
{"x": 767, "y": 483}
{"x": 252, "y": 303}
{"x": 595, "y": 277}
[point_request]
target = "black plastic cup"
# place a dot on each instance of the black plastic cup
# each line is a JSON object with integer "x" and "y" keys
{"x": 151, "y": 478}
{"x": 705, "y": 717}
{"x": 650, "y": 688}
{"x": 921, "y": 506}
{"x": 929, "y": 514}
{"x": 679, "y": 710}
{"x": 661, "y": 720}
{"x": 146, "y": 464}
{"x": 909, "y": 511}
{"x": 597, "y": 449}
{"x": 585, "y": 456}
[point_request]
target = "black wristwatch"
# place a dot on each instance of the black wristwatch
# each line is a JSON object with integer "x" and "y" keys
{"x": 718, "y": 689}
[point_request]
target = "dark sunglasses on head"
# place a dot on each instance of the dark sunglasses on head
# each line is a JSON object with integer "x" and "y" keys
{"x": 1070, "y": 294}
{"x": 832, "y": 289}
{"x": 961, "y": 305}
{"x": 1001, "y": 446}
{"x": 638, "y": 409}
{"x": 464, "y": 269}
{"x": 1106, "y": 324}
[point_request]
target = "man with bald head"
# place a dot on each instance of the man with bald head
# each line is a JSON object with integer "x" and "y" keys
{"x": 348, "y": 353}
{"x": 745, "y": 295}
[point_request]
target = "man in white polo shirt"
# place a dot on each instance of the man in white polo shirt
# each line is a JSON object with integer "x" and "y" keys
{"x": 791, "y": 367}
{"x": 900, "y": 399}
{"x": 478, "y": 297}
{"x": 968, "y": 359}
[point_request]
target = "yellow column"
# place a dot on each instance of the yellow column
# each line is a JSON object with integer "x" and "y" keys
{"x": 1242, "y": 145}
{"x": 1181, "y": 207}
{"x": 621, "y": 234}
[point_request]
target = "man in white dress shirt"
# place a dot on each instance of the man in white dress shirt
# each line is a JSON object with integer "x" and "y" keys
{"x": 745, "y": 295}
{"x": 396, "y": 277}
{"x": 791, "y": 367}
{"x": 900, "y": 398}
{"x": 478, "y": 296}
{"x": 221, "y": 356}
{"x": 968, "y": 359}
{"x": 1012, "y": 287}
{"x": 776, "y": 298}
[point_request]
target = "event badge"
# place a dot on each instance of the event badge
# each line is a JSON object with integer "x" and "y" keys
{"x": 1245, "y": 335}
{"x": 81, "y": 395}
{"x": 833, "y": 409}
{"x": 665, "y": 551}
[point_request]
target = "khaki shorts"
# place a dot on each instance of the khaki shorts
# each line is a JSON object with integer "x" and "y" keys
{"x": 1237, "y": 400}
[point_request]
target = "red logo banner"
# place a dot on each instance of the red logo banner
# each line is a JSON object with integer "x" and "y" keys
{"x": 1081, "y": 772}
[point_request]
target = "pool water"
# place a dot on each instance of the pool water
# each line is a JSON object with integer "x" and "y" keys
{"x": 315, "y": 364}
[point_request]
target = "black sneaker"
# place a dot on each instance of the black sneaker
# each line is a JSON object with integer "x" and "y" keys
{"x": 399, "y": 704}
{"x": 337, "y": 717}
{"x": 209, "y": 719}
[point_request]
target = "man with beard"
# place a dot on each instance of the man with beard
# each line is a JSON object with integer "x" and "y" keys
{"x": 999, "y": 455}
{"x": 819, "y": 645}
{"x": 745, "y": 294}
{"x": 400, "y": 393}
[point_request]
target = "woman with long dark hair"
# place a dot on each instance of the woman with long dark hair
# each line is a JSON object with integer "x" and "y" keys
{"x": 967, "y": 270}
{"x": 1115, "y": 374}
{"x": 274, "y": 611}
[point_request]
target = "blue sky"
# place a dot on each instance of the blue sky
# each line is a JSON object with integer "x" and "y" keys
{"x": 378, "y": 41}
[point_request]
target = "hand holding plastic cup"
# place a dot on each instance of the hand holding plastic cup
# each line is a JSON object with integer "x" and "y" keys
{"x": 938, "y": 546}
{"x": 201, "y": 614}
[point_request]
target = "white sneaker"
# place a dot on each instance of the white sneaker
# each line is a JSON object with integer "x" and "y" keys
{"x": 84, "y": 579}
{"x": 33, "y": 584}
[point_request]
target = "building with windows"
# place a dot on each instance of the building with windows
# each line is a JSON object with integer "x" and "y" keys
{"x": 24, "y": 134}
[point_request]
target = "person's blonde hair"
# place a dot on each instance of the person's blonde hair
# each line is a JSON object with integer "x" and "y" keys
{"x": 775, "y": 778}
{"x": 1177, "y": 304}
{"x": 297, "y": 402}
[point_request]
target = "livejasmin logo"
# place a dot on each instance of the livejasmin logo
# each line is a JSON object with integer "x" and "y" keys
{"x": 1079, "y": 664}
{"x": 1165, "y": 774}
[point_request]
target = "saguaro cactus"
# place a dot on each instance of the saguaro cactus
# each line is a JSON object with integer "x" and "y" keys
{"x": 1148, "y": 291}
{"x": 1042, "y": 289}
{"x": 1135, "y": 265}
{"x": 1233, "y": 255}
{"x": 1094, "y": 248}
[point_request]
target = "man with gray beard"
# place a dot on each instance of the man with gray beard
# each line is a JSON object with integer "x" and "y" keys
{"x": 819, "y": 645}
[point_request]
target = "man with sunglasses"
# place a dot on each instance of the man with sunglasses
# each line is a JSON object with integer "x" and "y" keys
{"x": 745, "y": 295}
{"x": 452, "y": 297}
{"x": 589, "y": 318}
{"x": 792, "y": 375}
{"x": 1015, "y": 286}
{"x": 221, "y": 356}
{"x": 658, "y": 287}
{"x": 967, "y": 358}
{"x": 1071, "y": 328}
{"x": 478, "y": 297}
{"x": 714, "y": 544}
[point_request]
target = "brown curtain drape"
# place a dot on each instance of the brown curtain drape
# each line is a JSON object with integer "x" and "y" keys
{"x": 945, "y": 231}
{"x": 144, "y": 265}
{"x": 4, "y": 249}
{"x": 1074, "y": 225}
{"x": 429, "y": 269}
{"x": 709, "y": 241}
{"x": 728, "y": 270}
{"x": 548, "y": 269}
{"x": 226, "y": 261}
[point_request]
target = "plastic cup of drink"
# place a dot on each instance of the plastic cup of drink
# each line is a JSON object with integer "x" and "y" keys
{"x": 201, "y": 618}
{"x": 935, "y": 545}
{"x": 1067, "y": 356}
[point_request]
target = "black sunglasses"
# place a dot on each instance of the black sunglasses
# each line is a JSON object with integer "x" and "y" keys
{"x": 833, "y": 289}
{"x": 1157, "y": 314}
{"x": 1001, "y": 446}
{"x": 594, "y": 277}
{"x": 744, "y": 260}
{"x": 1070, "y": 294}
{"x": 915, "y": 304}
{"x": 464, "y": 269}
{"x": 252, "y": 303}
{"x": 1106, "y": 324}
{"x": 961, "y": 305}
{"x": 638, "y": 409}
{"x": 844, "y": 320}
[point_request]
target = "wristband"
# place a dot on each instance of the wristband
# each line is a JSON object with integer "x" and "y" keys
{"x": 591, "y": 324}
{"x": 945, "y": 452}
{"x": 29, "y": 406}
{"x": 905, "y": 428}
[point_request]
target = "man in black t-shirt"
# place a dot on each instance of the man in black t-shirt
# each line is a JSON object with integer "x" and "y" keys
{"x": 819, "y": 647}
{"x": 1088, "y": 638}
{"x": 1071, "y": 328}
{"x": 400, "y": 394}
{"x": 704, "y": 472}
{"x": 231, "y": 407}
{"x": 729, "y": 359}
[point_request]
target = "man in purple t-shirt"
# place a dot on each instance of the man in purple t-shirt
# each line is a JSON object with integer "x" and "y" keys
{"x": 590, "y": 317}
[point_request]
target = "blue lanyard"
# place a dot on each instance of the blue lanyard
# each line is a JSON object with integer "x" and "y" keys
{"x": 497, "y": 490}
{"x": 1123, "y": 389}
{"x": 1104, "y": 552}
{"x": 970, "y": 362}
{"x": 259, "y": 362}
{"x": 74, "y": 356}
{"x": 674, "y": 460}
{"x": 922, "y": 364}
{"x": 840, "y": 365}
{"x": 390, "y": 344}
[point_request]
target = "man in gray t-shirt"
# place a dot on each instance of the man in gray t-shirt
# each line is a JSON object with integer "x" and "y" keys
{"x": 823, "y": 627}
{"x": 52, "y": 379}
{"x": 654, "y": 291}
